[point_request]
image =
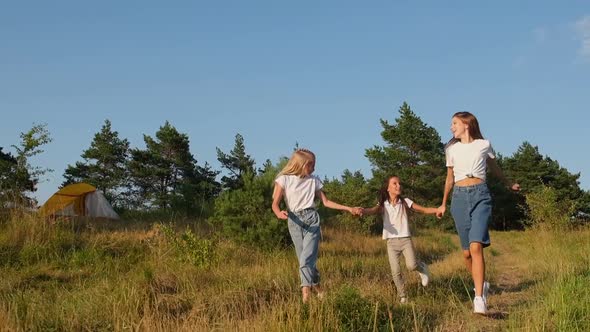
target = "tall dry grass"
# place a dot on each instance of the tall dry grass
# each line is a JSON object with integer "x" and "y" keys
{"x": 88, "y": 276}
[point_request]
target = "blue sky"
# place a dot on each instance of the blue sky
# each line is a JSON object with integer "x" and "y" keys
{"x": 320, "y": 73}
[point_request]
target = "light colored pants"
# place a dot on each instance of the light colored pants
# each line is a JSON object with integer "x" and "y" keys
{"x": 396, "y": 247}
{"x": 304, "y": 228}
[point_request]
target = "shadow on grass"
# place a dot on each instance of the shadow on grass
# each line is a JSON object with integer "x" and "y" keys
{"x": 521, "y": 286}
{"x": 496, "y": 315}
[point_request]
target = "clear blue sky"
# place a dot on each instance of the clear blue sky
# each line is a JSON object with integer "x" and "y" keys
{"x": 321, "y": 73}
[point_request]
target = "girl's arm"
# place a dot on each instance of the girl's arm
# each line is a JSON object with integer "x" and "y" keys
{"x": 333, "y": 205}
{"x": 374, "y": 210}
{"x": 277, "y": 195}
{"x": 425, "y": 210}
{"x": 449, "y": 182}
{"x": 495, "y": 169}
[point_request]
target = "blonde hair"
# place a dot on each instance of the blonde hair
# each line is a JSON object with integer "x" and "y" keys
{"x": 296, "y": 164}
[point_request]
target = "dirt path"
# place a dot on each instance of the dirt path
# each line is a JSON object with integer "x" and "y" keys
{"x": 510, "y": 286}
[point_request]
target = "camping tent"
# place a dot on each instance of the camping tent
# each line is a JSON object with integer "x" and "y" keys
{"x": 80, "y": 199}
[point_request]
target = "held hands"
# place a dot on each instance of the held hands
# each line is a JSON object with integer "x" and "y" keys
{"x": 440, "y": 211}
{"x": 357, "y": 211}
{"x": 515, "y": 187}
{"x": 282, "y": 215}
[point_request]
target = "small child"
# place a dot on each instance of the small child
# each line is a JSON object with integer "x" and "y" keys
{"x": 300, "y": 189}
{"x": 396, "y": 231}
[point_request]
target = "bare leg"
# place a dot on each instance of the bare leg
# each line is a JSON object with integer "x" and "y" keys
{"x": 305, "y": 293}
{"x": 467, "y": 259}
{"x": 478, "y": 266}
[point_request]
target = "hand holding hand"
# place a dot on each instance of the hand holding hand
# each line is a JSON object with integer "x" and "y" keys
{"x": 357, "y": 211}
{"x": 515, "y": 187}
{"x": 440, "y": 212}
{"x": 282, "y": 215}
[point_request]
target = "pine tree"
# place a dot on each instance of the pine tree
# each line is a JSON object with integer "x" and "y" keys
{"x": 533, "y": 171}
{"x": 245, "y": 214}
{"x": 12, "y": 181}
{"x": 413, "y": 151}
{"x": 352, "y": 189}
{"x": 104, "y": 165}
{"x": 238, "y": 163}
{"x": 165, "y": 175}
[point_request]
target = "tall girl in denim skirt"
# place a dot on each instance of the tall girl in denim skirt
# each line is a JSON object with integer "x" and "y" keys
{"x": 300, "y": 189}
{"x": 396, "y": 230}
{"x": 468, "y": 155}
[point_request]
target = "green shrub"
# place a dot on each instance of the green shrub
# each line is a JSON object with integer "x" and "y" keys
{"x": 546, "y": 211}
{"x": 190, "y": 248}
{"x": 246, "y": 216}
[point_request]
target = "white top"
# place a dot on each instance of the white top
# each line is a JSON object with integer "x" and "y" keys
{"x": 469, "y": 160}
{"x": 299, "y": 192}
{"x": 395, "y": 219}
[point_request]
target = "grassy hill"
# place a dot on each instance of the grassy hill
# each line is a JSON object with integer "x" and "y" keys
{"x": 139, "y": 276}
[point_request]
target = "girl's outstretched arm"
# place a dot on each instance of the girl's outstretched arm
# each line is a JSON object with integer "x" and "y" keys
{"x": 425, "y": 210}
{"x": 277, "y": 195}
{"x": 495, "y": 169}
{"x": 374, "y": 210}
{"x": 333, "y": 205}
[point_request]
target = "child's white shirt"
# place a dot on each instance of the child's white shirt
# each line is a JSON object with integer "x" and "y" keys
{"x": 469, "y": 159}
{"x": 299, "y": 193}
{"x": 395, "y": 219}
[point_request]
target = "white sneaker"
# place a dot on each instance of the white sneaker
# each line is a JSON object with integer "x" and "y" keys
{"x": 403, "y": 300}
{"x": 424, "y": 276}
{"x": 486, "y": 289}
{"x": 479, "y": 305}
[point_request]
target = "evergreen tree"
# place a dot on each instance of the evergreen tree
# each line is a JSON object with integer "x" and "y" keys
{"x": 352, "y": 190}
{"x": 508, "y": 212}
{"x": 239, "y": 165}
{"x": 104, "y": 165}
{"x": 582, "y": 206}
{"x": 266, "y": 166}
{"x": 165, "y": 175}
{"x": 245, "y": 214}
{"x": 414, "y": 152}
{"x": 12, "y": 181}
{"x": 533, "y": 171}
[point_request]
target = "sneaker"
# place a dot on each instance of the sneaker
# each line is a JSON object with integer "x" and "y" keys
{"x": 424, "y": 276}
{"x": 486, "y": 289}
{"x": 479, "y": 305}
{"x": 403, "y": 300}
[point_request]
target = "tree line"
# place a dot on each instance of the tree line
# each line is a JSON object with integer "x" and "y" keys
{"x": 165, "y": 176}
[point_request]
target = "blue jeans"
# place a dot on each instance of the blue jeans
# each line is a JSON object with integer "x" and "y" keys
{"x": 471, "y": 207}
{"x": 304, "y": 227}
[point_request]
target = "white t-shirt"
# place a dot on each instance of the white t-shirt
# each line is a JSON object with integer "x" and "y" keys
{"x": 395, "y": 219}
{"x": 469, "y": 160}
{"x": 299, "y": 192}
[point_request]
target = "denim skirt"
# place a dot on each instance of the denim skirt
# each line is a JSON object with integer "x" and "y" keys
{"x": 471, "y": 207}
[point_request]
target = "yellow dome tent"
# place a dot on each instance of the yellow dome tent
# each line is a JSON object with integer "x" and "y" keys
{"x": 80, "y": 199}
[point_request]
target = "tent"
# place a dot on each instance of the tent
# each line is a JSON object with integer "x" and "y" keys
{"x": 80, "y": 199}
